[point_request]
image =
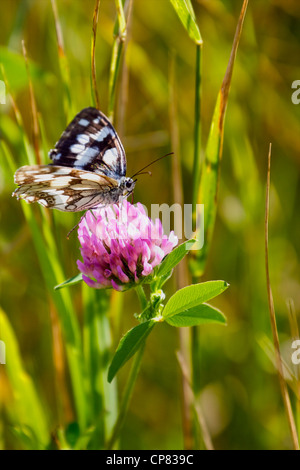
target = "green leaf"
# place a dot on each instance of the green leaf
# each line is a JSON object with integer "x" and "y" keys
{"x": 173, "y": 258}
{"x": 115, "y": 69}
{"x": 128, "y": 345}
{"x": 203, "y": 313}
{"x": 72, "y": 433}
{"x": 69, "y": 282}
{"x": 187, "y": 17}
{"x": 193, "y": 296}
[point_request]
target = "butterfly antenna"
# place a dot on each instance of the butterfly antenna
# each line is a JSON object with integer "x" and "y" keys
{"x": 154, "y": 161}
{"x": 144, "y": 173}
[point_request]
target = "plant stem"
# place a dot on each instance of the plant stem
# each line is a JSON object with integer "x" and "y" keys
{"x": 142, "y": 297}
{"x": 283, "y": 386}
{"x": 127, "y": 396}
{"x": 181, "y": 272}
{"x": 197, "y": 129}
{"x": 34, "y": 114}
{"x": 131, "y": 379}
{"x": 63, "y": 64}
{"x": 120, "y": 36}
{"x": 196, "y": 405}
{"x": 94, "y": 91}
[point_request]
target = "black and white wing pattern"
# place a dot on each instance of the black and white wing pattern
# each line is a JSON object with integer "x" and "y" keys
{"x": 87, "y": 171}
{"x": 91, "y": 143}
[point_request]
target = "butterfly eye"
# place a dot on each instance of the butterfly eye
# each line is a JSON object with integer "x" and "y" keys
{"x": 128, "y": 184}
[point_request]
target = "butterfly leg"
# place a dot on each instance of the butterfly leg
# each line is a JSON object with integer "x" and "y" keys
{"x": 91, "y": 211}
{"x": 97, "y": 207}
{"x": 75, "y": 226}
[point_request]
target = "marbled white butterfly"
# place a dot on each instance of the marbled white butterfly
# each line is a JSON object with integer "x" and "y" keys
{"x": 87, "y": 171}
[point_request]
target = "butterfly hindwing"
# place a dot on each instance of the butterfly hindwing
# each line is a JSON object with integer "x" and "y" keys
{"x": 63, "y": 188}
{"x": 91, "y": 143}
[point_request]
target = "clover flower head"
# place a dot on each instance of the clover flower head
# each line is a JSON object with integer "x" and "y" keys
{"x": 121, "y": 245}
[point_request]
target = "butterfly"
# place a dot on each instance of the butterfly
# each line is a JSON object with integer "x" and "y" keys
{"x": 88, "y": 168}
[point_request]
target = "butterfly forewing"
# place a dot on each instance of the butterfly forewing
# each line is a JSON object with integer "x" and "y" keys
{"x": 91, "y": 143}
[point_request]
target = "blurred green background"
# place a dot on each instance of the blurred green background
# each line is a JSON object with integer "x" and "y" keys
{"x": 240, "y": 394}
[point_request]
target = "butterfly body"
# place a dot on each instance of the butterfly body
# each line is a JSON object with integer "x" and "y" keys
{"x": 88, "y": 169}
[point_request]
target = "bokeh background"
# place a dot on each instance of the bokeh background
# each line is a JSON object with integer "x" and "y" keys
{"x": 240, "y": 394}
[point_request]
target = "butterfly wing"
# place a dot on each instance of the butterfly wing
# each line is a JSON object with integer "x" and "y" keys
{"x": 91, "y": 143}
{"x": 63, "y": 188}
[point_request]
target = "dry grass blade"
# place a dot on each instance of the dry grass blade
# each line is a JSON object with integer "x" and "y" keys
{"x": 35, "y": 121}
{"x": 123, "y": 100}
{"x": 283, "y": 386}
{"x": 59, "y": 35}
{"x": 27, "y": 148}
{"x": 120, "y": 32}
{"x": 95, "y": 96}
{"x": 289, "y": 376}
{"x": 293, "y": 318}
{"x": 207, "y": 193}
{"x": 181, "y": 271}
{"x": 174, "y": 129}
{"x": 295, "y": 334}
{"x": 224, "y": 92}
{"x": 63, "y": 64}
{"x": 202, "y": 423}
{"x": 64, "y": 407}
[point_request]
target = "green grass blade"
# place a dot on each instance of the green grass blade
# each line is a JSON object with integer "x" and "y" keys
{"x": 30, "y": 411}
{"x": 93, "y": 79}
{"x": 53, "y": 274}
{"x": 15, "y": 70}
{"x": 63, "y": 65}
{"x": 120, "y": 36}
{"x": 208, "y": 190}
{"x": 8, "y": 157}
{"x": 97, "y": 344}
{"x": 185, "y": 12}
{"x": 24, "y": 139}
{"x": 114, "y": 73}
{"x": 197, "y": 128}
{"x": 121, "y": 18}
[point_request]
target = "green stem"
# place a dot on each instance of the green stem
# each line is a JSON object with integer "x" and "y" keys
{"x": 97, "y": 342}
{"x": 127, "y": 396}
{"x": 93, "y": 79}
{"x": 197, "y": 130}
{"x": 121, "y": 17}
{"x": 120, "y": 36}
{"x": 142, "y": 297}
{"x": 114, "y": 73}
{"x": 131, "y": 380}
